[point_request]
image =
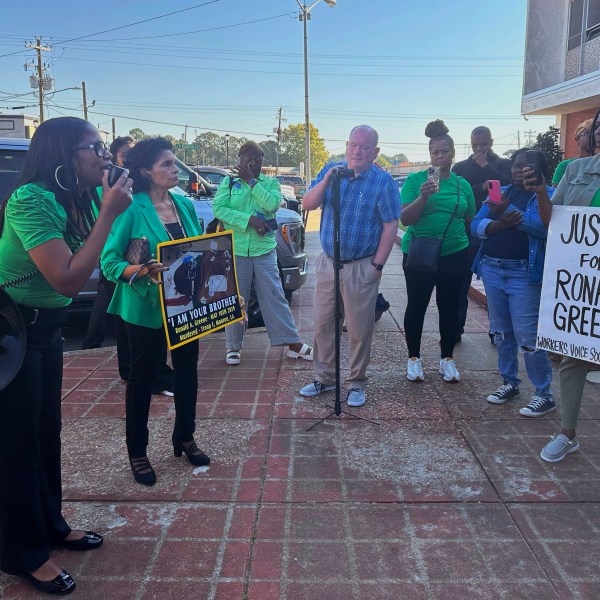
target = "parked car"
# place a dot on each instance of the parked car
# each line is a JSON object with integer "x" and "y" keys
{"x": 212, "y": 174}
{"x": 399, "y": 179}
{"x": 296, "y": 182}
{"x": 291, "y": 258}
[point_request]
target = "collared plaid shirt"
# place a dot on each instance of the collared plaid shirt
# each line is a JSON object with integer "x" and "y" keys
{"x": 366, "y": 203}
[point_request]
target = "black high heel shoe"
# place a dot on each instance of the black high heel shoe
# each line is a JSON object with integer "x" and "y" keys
{"x": 62, "y": 584}
{"x": 193, "y": 453}
{"x": 89, "y": 541}
{"x": 142, "y": 470}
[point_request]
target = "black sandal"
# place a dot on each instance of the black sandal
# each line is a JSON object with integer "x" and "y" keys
{"x": 142, "y": 470}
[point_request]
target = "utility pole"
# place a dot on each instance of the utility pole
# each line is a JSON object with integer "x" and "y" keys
{"x": 40, "y": 71}
{"x": 278, "y": 132}
{"x": 85, "y": 115}
{"x": 518, "y": 140}
{"x": 529, "y": 137}
{"x": 114, "y": 128}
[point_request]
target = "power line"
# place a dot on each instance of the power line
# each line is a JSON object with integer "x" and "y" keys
{"x": 271, "y": 72}
{"x": 125, "y": 26}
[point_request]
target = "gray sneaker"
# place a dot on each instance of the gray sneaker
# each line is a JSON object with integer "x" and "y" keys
{"x": 557, "y": 448}
{"x": 315, "y": 388}
{"x": 356, "y": 397}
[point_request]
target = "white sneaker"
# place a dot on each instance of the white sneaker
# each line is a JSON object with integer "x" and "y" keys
{"x": 414, "y": 370}
{"x": 449, "y": 371}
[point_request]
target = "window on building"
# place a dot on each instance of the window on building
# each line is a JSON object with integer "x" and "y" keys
{"x": 593, "y": 20}
{"x": 575, "y": 22}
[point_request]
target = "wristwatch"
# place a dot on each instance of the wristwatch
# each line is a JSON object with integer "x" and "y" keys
{"x": 252, "y": 182}
{"x": 377, "y": 266}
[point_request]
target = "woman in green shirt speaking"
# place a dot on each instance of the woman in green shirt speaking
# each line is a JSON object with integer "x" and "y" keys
{"x": 437, "y": 209}
{"x": 50, "y": 242}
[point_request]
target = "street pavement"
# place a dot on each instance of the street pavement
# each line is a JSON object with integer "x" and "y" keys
{"x": 446, "y": 498}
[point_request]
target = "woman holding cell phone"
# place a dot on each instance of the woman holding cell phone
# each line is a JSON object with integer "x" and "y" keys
{"x": 435, "y": 204}
{"x": 510, "y": 261}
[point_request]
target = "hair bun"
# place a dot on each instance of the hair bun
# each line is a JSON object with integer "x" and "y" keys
{"x": 436, "y": 128}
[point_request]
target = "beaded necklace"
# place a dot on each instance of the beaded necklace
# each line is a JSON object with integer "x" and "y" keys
{"x": 164, "y": 223}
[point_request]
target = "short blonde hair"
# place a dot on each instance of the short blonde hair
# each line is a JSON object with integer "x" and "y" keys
{"x": 585, "y": 126}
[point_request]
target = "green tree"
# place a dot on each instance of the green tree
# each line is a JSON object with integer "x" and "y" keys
{"x": 269, "y": 147}
{"x": 547, "y": 142}
{"x": 383, "y": 161}
{"x": 292, "y": 148}
{"x": 137, "y": 134}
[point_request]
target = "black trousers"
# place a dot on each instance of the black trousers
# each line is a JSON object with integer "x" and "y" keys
{"x": 96, "y": 332}
{"x": 419, "y": 287}
{"x": 31, "y": 520}
{"x": 147, "y": 348}
{"x": 463, "y": 302}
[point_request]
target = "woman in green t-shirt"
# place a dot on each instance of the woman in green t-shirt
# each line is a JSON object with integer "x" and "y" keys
{"x": 50, "y": 242}
{"x": 436, "y": 209}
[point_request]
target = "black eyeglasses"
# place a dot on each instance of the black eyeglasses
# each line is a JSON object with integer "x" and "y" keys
{"x": 100, "y": 148}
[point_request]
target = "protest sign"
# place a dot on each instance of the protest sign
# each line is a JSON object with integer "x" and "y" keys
{"x": 199, "y": 291}
{"x": 569, "y": 321}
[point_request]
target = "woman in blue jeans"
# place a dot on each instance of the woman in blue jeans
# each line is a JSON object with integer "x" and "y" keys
{"x": 510, "y": 261}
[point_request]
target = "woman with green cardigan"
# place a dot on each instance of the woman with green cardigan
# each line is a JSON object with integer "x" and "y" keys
{"x": 159, "y": 216}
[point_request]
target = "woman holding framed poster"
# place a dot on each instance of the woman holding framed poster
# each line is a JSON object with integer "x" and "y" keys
{"x": 156, "y": 215}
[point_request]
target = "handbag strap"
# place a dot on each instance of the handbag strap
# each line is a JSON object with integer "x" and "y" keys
{"x": 455, "y": 208}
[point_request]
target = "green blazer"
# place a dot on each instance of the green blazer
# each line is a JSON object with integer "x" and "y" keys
{"x": 139, "y": 220}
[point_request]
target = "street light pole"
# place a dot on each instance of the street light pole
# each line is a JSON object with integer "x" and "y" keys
{"x": 304, "y": 16}
{"x": 227, "y": 151}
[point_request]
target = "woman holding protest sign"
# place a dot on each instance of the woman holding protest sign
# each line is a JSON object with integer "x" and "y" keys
{"x": 510, "y": 261}
{"x": 156, "y": 215}
{"x": 580, "y": 186}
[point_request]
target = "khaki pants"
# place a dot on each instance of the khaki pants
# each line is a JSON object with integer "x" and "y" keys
{"x": 571, "y": 377}
{"x": 359, "y": 284}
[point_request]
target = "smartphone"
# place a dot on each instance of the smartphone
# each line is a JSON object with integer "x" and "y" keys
{"x": 494, "y": 192}
{"x": 113, "y": 174}
{"x": 433, "y": 175}
{"x": 272, "y": 224}
{"x": 535, "y": 160}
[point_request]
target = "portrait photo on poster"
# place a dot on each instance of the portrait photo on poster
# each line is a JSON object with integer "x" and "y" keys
{"x": 199, "y": 292}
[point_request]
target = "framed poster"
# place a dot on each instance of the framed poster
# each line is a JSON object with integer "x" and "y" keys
{"x": 569, "y": 321}
{"x": 199, "y": 292}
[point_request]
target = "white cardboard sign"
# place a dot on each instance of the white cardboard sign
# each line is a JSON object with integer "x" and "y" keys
{"x": 569, "y": 321}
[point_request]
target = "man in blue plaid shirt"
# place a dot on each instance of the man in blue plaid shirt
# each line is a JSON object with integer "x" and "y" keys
{"x": 369, "y": 211}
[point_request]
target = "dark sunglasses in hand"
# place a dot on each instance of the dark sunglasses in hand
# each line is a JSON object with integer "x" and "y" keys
{"x": 135, "y": 275}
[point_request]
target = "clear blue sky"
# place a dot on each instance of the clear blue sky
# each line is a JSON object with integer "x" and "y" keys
{"x": 229, "y": 65}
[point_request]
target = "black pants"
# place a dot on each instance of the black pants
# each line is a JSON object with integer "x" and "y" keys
{"x": 463, "y": 302}
{"x": 147, "y": 348}
{"x": 419, "y": 286}
{"x": 30, "y": 422}
{"x": 96, "y": 332}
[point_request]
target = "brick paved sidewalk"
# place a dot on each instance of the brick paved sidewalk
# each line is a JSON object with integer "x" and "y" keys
{"x": 446, "y": 499}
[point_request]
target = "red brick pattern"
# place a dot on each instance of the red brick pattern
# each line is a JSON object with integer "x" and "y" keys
{"x": 445, "y": 498}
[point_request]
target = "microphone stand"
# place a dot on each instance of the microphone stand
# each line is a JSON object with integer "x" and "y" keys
{"x": 337, "y": 174}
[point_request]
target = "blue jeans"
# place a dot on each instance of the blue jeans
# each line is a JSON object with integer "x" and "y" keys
{"x": 513, "y": 306}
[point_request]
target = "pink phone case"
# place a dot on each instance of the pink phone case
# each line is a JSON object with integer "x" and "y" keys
{"x": 494, "y": 192}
